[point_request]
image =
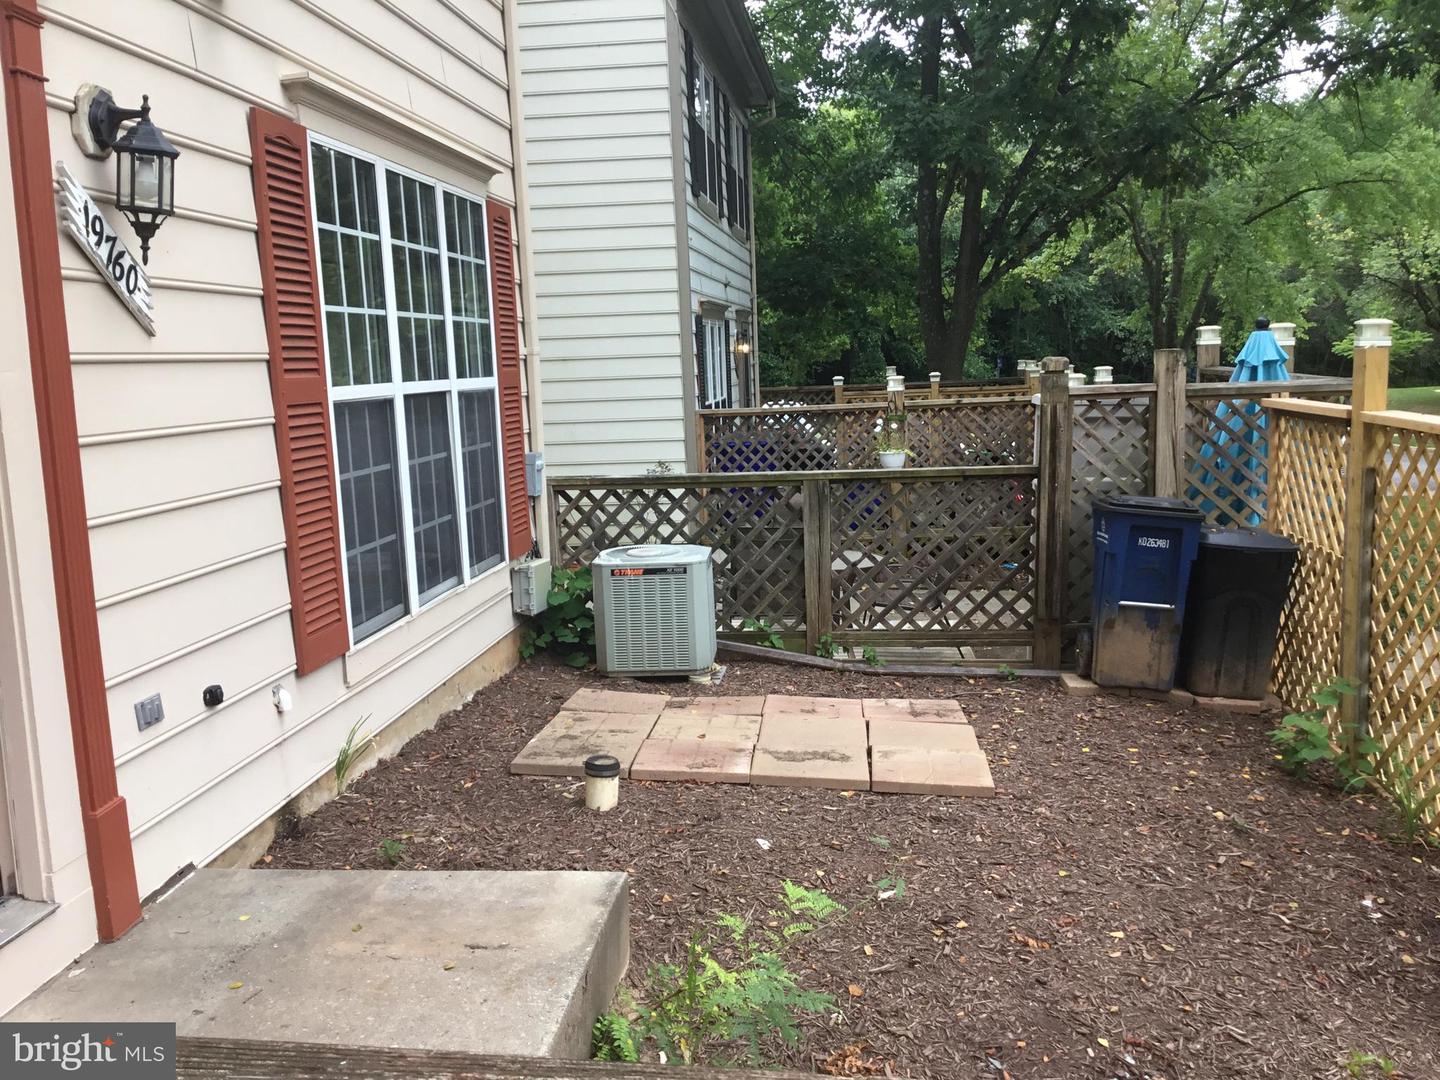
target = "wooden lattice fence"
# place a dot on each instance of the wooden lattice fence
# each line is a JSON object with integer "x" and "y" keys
{"x": 1227, "y": 444}
{"x": 1404, "y": 647}
{"x": 1357, "y": 487}
{"x": 921, "y": 556}
{"x": 872, "y": 392}
{"x": 1112, "y": 433}
{"x": 941, "y": 434}
{"x": 1307, "y": 504}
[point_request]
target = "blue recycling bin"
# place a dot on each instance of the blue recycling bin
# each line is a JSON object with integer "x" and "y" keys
{"x": 1144, "y": 548}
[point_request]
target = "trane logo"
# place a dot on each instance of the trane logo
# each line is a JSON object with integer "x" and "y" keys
{"x": 1153, "y": 541}
{"x": 644, "y": 571}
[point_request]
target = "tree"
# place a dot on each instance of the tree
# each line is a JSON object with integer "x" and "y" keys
{"x": 1018, "y": 120}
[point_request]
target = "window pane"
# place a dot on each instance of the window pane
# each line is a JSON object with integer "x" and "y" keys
{"x": 415, "y": 258}
{"x": 469, "y": 287}
{"x": 480, "y": 454}
{"x": 432, "y": 494}
{"x": 370, "y": 509}
{"x": 352, "y": 290}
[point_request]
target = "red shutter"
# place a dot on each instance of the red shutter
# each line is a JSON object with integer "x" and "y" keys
{"x": 506, "y": 313}
{"x": 281, "y": 169}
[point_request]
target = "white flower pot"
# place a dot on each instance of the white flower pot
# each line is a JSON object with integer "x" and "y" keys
{"x": 891, "y": 459}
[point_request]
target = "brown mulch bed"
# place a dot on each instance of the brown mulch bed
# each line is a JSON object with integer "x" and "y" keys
{"x": 1147, "y": 895}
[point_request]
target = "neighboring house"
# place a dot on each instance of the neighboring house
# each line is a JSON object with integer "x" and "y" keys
{"x": 638, "y": 121}
{"x": 304, "y": 489}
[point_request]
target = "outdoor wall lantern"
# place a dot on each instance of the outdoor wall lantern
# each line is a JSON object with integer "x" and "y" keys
{"x": 144, "y": 159}
{"x": 742, "y": 346}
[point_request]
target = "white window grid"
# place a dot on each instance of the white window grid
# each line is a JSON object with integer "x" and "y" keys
{"x": 397, "y": 390}
{"x": 717, "y": 394}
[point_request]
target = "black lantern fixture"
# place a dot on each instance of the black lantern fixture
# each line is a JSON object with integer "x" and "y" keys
{"x": 144, "y": 165}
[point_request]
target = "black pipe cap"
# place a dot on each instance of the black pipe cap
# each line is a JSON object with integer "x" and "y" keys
{"x": 602, "y": 765}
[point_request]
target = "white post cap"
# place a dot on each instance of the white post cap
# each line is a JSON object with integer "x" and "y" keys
{"x": 1207, "y": 335}
{"x": 934, "y": 376}
{"x": 1103, "y": 380}
{"x": 1284, "y": 332}
{"x": 1372, "y": 332}
{"x": 895, "y": 384}
{"x": 838, "y": 380}
{"x": 1077, "y": 378}
{"x": 889, "y": 371}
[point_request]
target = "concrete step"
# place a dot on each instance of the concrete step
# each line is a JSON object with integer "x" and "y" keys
{"x": 486, "y": 962}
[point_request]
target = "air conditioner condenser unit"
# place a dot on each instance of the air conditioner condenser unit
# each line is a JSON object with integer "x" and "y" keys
{"x": 654, "y": 609}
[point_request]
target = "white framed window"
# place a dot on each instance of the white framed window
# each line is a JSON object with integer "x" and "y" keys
{"x": 717, "y": 364}
{"x": 410, "y": 349}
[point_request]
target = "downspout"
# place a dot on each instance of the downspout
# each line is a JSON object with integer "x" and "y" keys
{"x": 520, "y": 173}
{"x": 106, "y": 823}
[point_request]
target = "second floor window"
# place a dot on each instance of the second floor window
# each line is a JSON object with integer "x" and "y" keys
{"x": 719, "y": 143}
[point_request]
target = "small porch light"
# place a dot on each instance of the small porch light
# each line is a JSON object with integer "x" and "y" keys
{"x": 144, "y": 164}
{"x": 743, "y": 346}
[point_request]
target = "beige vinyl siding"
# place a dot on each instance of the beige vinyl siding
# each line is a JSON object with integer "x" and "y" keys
{"x": 177, "y": 431}
{"x": 596, "y": 82}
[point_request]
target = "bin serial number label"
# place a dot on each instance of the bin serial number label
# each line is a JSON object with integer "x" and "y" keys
{"x": 1153, "y": 541}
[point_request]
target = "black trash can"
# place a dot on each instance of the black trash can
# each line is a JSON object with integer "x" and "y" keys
{"x": 1239, "y": 584}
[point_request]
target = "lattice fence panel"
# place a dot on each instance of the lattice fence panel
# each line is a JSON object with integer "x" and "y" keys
{"x": 1404, "y": 710}
{"x": 1227, "y": 464}
{"x": 797, "y": 395}
{"x": 942, "y": 557}
{"x": 1111, "y": 442}
{"x": 1307, "y": 504}
{"x": 942, "y": 434}
{"x": 1227, "y": 445}
{"x": 757, "y": 531}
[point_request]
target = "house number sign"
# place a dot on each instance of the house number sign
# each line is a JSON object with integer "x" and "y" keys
{"x": 80, "y": 216}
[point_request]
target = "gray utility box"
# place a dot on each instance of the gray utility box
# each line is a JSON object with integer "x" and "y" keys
{"x": 530, "y": 586}
{"x": 654, "y": 610}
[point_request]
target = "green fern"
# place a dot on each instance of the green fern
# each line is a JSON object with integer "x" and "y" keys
{"x": 614, "y": 1039}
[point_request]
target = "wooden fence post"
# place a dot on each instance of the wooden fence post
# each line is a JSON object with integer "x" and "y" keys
{"x": 1207, "y": 350}
{"x": 1169, "y": 421}
{"x": 934, "y": 384}
{"x": 839, "y": 383}
{"x": 1052, "y": 511}
{"x": 1368, "y": 393}
{"x": 818, "y": 560}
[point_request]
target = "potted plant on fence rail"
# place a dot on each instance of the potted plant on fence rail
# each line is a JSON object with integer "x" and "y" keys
{"x": 890, "y": 442}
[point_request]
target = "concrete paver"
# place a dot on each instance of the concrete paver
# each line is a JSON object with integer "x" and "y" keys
{"x": 809, "y": 751}
{"x": 749, "y": 705}
{"x": 927, "y": 758}
{"x": 615, "y": 701}
{"x": 717, "y": 728}
{"x": 931, "y": 710}
{"x": 561, "y": 747}
{"x": 922, "y": 735}
{"x": 702, "y": 760}
{"x": 813, "y": 706}
{"x": 930, "y": 772}
{"x": 487, "y": 962}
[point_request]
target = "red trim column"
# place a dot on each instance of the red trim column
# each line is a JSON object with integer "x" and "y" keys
{"x": 107, "y": 827}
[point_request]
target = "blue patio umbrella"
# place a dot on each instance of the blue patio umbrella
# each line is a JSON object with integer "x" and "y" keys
{"x": 1236, "y": 446}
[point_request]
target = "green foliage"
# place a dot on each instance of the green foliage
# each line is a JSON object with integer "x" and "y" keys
{"x": 1360, "y": 1063}
{"x": 613, "y": 1039}
{"x": 392, "y": 851}
{"x": 1410, "y": 807}
{"x": 826, "y": 647}
{"x": 732, "y": 992}
{"x": 871, "y": 657}
{"x": 1304, "y": 739}
{"x": 351, "y": 750}
{"x": 567, "y": 626}
{"x": 1008, "y": 673}
{"x": 769, "y": 637}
